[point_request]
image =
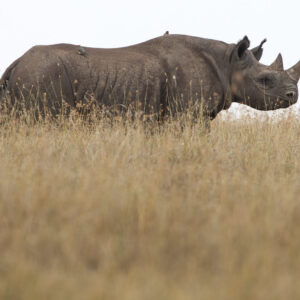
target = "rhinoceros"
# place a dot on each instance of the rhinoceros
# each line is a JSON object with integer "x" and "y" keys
{"x": 163, "y": 76}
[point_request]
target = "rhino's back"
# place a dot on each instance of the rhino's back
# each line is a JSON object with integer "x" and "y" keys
{"x": 166, "y": 50}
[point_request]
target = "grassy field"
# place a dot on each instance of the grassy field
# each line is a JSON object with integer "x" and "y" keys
{"x": 93, "y": 211}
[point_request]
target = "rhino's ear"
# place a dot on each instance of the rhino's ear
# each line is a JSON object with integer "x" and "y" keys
{"x": 240, "y": 48}
{"x": 258, "y": 51}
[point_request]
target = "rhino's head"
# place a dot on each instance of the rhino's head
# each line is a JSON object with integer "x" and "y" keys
{"x": 260, "y": 86}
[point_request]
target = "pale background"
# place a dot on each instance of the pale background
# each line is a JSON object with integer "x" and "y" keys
{"x": 24, "y": 23}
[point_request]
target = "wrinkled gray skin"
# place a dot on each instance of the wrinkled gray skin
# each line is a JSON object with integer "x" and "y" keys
{"x": 163, "y": 76}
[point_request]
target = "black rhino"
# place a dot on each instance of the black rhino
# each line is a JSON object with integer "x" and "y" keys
{"x": 162, "y": 76}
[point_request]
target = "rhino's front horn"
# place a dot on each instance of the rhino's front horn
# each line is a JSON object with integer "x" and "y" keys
{"x": 277, "y": 65}
{"x": 294, "y": 71}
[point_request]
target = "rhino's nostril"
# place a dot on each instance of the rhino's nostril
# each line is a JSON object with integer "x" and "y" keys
{"x": 290, "y": 94}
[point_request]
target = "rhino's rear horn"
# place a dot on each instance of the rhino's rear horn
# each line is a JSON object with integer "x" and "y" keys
{"x": 258, "y": 51}
{"x": 277, "y": 65}
{"x": 294, "y": 72}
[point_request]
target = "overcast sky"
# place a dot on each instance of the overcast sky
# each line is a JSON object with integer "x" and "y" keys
{"x": 109, "y": 23}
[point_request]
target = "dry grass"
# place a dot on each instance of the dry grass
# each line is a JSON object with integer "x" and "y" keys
{"x": 91, "y": 211}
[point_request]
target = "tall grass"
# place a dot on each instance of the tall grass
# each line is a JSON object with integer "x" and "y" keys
{"x": 120, "y": 210}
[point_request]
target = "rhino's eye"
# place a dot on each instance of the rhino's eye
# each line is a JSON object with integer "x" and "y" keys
{"x": 266, "y": 80}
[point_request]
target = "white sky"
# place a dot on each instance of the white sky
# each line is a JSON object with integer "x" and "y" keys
{"x": 115, "y": 23}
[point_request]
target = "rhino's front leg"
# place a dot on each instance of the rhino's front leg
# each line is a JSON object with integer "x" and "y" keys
{"x": 207, "y": 124}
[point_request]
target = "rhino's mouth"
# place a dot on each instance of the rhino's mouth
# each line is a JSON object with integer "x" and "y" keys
{"x": 289, "y": 101}
{"x": 283, "y": 102}
{"x": 290, "y": 97}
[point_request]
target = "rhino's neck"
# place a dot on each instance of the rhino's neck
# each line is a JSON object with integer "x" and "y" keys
{"x": 217, "y": 55}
